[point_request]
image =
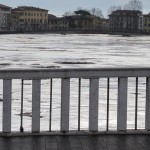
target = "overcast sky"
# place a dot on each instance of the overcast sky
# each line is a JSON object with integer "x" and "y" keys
{"x": 58, "y": 7}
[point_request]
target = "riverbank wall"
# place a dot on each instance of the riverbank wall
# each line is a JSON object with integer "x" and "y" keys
{"x": 75, "y": 32}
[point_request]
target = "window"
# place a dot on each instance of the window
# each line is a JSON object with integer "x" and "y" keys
{"x": 21, "y": 20}
{"x": 21, "y": 14}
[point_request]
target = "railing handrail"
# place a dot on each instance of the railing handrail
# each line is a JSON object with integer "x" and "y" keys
{"x": 73, "y": 73}
{"x": 65, "y": 74}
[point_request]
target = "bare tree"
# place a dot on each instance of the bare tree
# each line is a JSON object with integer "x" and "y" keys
{"x": 68, "y": 13}
{"x": 96, "y": 12}
{"x": 113, "y": 8}
{"x": 92, "y": 11}
{"x": 134, "y": 5}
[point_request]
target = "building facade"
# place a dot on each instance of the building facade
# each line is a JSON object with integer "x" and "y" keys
{"x": 5, "y": 17}
{"x": 100, "y": 23}
{"x": 81, "y": 22}
{"x": 29, "y": 18}
{"x": 146, "y": 23}
{"x": 74, "y": 22}
{"x": 125, "y": 20}
{"x": 56, "y": 23}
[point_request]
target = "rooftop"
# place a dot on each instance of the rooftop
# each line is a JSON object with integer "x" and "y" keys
{"x": 125, "y": 12}
{"x": 4, "y": 6}
{"x": 51, "y": 16}
{"x": 23, "y": 8}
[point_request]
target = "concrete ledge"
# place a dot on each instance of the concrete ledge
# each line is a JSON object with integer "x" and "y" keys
{"x": 30, "y": 74}
{"x": 75, "y": 133}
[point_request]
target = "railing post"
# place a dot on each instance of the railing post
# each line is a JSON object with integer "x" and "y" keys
{"x": 93, "y": 104}
{"x": 108, "y": 86}
{"x": 147, "y": 113}
{"x": 50, "y": 111}
{"x": 7, "y": 89}
{"x": 65, "y": 103}
{"x": 122, "y": 104}
{"x": 79, "y": 104}
{"x": 21, "y": 113}
{"x": 136, "y": 103}
{"x": 36, "y": 96}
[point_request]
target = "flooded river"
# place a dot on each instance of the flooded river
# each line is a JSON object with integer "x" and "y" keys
{"x": 73, "y": 51}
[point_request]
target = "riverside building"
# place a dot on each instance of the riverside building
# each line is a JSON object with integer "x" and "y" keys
{"x": 5, "y": 12}
{"x": 125, "y": 20}
{"x": 57, "y": 23}
{"x": 29, "y": 18}
{"x": 146, "y": 20}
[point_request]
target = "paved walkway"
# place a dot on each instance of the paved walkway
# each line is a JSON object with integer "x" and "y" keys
{"x": 97, "y": 142}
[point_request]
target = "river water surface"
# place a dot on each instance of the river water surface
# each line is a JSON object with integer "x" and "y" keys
{"x": 74, "y": 51}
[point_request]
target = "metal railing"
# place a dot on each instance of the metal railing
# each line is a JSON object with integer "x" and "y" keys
{"x": 36, "y": 75}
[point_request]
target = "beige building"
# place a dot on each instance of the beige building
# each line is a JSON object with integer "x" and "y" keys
{"x": 100, "y": 23}
{"x": 29, "y": 18}
{"x": 5, "y": 12}
{"x": 70, "y": 22}
{"x": 77, "y": 22}
{"x": 81, "y": 22}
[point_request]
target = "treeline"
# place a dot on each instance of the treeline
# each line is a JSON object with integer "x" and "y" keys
{"x": 131, "y": 5}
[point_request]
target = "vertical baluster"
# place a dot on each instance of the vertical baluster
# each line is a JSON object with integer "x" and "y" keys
{"x": 93, "y": 104}
{"x": 65, "y": 103}
{"x": 79, "y": 104}
{"x": 122, "y": 104}
{"x": 136, "y": 102}
{"x": 50, "y": 115}
{"x": 36, "y": 94}
{"x": 21, "y": 113}
{"x": 7, "y": 89}
{"x": 107, "y": 104}
{"x": 147, "y": 115}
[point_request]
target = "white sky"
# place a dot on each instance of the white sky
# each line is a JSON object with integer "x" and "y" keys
{"x": 58, "y": 7}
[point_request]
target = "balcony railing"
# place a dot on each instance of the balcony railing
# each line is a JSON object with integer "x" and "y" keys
{"x": 93, "y": 75}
